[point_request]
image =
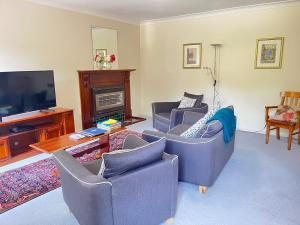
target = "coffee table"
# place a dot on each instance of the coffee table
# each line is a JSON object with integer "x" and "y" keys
{"x": 64, "y": 142}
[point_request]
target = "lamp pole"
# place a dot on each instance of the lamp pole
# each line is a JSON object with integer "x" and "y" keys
{"x": 213, "y": 72}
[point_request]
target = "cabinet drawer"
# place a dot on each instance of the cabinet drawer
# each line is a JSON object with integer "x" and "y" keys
{"x": 4, "y": 151}
{"x": 52, "y": 132}
{"x": 19, "y": 143}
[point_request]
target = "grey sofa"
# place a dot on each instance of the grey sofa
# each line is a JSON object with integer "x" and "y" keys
{"x": 146, "y": 195}
{"x": 201, "y": 160}
{"x": 167, "y": 115}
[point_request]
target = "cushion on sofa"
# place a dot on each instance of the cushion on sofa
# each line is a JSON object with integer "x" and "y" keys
{"x": 179, "y": 129}
{"x": 210, "y": 129}
{"x": 199, "y": 98}
{"x": 187, "y": 102}
{"x": 121, "y": 161}
{"x": 193, "y": 131}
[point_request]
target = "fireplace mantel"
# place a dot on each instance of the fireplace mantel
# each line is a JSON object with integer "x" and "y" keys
{"x": 90, "y": 79}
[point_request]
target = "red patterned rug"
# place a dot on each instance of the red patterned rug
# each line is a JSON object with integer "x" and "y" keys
{"x": 23, "y": 184}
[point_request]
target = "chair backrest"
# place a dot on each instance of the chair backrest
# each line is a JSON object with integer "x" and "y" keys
{"x": 289, "y": 98}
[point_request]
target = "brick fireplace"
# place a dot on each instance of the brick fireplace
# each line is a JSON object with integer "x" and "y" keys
{"x": 104, "y": 94}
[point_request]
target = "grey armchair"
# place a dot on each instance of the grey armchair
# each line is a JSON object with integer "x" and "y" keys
{"x": 201, "y": 160}
{"x": 167, "y": 115}
{"x": 147, "y": 195}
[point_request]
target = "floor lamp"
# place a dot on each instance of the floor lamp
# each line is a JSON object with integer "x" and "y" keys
{"x": 213, "y": 72}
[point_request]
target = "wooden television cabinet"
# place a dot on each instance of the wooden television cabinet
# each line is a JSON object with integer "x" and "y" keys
{"x": 39, "y": 126}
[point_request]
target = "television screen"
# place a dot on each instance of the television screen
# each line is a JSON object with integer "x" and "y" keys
{"x": 26, "y": 91}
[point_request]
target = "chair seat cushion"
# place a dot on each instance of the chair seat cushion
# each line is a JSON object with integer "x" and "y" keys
{"x": 275, "y": 121}
{"x": 121, "y": 161}
{"x": 163, "y": 116}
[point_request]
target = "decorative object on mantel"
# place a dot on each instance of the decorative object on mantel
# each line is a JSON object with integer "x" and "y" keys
{"x": 269, "y": 53}
{"x": 192, "y": 55}
{"x": 104, "y": 61}
{"x": 213, "y": 73}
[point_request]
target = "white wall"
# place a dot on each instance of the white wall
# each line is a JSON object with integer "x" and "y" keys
{"x": 248, "y": 89}
{"x": 36, "y": 37}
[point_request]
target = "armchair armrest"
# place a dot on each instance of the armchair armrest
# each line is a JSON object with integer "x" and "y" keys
{"x": 267, "y": 109}
{"x": 177, "y": 114}
{"x": 159, "y": 107}
{"x": 67, "y": 163}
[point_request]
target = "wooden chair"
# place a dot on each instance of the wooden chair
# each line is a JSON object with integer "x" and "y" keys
{"x": 287, "y": 99}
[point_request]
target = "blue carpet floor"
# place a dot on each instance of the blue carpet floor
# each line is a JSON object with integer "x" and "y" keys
{"x": 259, "y": 186}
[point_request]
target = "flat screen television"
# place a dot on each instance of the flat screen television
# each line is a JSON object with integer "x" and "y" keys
{"x": 26, "y": 91}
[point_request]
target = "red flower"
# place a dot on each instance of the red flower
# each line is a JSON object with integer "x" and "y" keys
{"x": 112, "y": 58}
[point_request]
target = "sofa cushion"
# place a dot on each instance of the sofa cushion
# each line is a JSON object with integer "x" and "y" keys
{"x": 187, "y": 102}
{"x": 199, "y": 98}
{"x": 121, "y": 161}
{"x": 179, "y": 129}
{"x": 193, "y": 131}
{"x": 210, "y": 129}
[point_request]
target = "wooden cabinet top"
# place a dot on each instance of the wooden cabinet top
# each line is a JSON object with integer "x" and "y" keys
{"x": 106, "y": 71}
{"x": 35, "y": 115}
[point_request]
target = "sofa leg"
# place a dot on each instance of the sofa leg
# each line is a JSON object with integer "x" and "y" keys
{"x": 169, "y": 221}
{"x": 202, "y": 189}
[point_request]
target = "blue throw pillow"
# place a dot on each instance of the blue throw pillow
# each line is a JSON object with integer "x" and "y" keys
{"x": 210, "y": 129}
{"x": 121, "y": 161}
{"x": 193, "y": 131}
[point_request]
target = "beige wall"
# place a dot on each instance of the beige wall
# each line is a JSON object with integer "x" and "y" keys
{"x": 36, "y": 37}
{"x": 249, "y": 90}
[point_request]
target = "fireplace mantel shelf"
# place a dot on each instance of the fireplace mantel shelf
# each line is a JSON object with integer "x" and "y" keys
{"x": 107, "y": 70}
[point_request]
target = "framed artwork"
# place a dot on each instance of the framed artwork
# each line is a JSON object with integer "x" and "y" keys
{"x": 101, "y": 52}
{"x": 192, "y": 55}
{"x": 269, "y": 53}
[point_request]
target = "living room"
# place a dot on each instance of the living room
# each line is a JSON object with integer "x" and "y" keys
{"x": 257, "y": 184}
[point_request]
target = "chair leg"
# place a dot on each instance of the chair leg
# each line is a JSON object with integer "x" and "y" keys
{"x": 290, "y": 139}
{"x": 278, "y": 133}
{"x": 202, "y": 189}
{"x": 268, "y": 134}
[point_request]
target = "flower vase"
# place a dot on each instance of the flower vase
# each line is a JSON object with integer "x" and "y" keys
{"x": 106, "y": 66}
{"x": 99, "y": 65}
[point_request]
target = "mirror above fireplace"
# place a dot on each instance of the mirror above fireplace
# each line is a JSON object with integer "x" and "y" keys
{"x": 105, "y": 42}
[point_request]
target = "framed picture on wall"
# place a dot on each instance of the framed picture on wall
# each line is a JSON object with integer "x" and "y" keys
{"x": 101, "y": 52}
{"x": 192, "y": 55}
{"x": 269, "y": 53}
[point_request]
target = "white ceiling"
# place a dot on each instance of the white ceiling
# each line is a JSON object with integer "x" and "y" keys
{"x": 142, "y": 10}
